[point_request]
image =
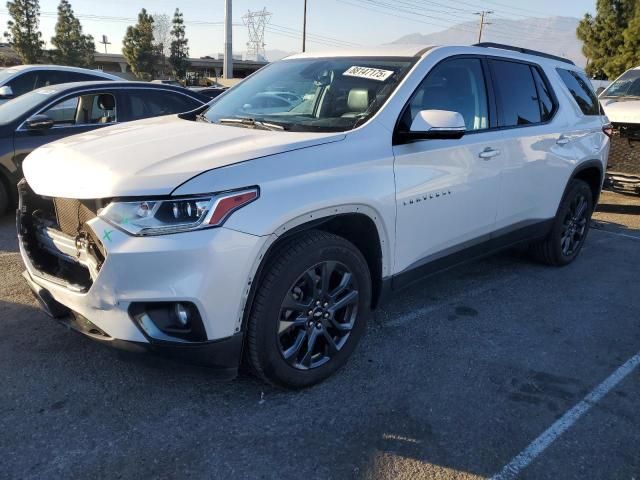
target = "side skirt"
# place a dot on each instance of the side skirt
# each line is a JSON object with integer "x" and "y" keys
{"x": 484, "y": 246}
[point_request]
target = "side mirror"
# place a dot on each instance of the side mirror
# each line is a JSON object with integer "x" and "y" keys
{"x": 6, "y": 92}
{"x": 436, "y": 124}
{"x": 39, "y": 123}
{"x": 599, "y": 91}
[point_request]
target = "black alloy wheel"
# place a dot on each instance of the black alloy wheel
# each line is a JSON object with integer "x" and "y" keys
{"x": 317, "y": 315}
{"x": 574, "y": 225}
{"x": 309, "y": 311}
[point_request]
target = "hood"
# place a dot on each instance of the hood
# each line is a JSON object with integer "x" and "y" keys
{"x": 621, "y": 110}
{"x": 151, "y": 157}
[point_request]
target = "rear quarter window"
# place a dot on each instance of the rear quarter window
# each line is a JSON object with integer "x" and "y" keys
{"x": 580, "y": 88}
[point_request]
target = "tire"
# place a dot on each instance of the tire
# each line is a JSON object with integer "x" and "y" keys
{"x": 570, "y": 227}
{"x": 4, "y": 197}
{"x": 292, "y": 311}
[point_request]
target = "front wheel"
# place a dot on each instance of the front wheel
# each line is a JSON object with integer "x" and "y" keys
{"x": 570, "y": 227}
{"x": 310, "y": 310}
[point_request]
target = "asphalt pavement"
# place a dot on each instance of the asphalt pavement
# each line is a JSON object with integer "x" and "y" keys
{"x": 456, "y": 378}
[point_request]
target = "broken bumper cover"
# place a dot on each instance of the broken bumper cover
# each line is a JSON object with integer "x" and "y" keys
{"x": 223, "y": 355}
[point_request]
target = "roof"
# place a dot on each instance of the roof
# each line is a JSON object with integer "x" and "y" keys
{"x": 421, "y": 50}
{"x": 382, "y": 51}
{"x": 63, "y": 68}
{"x": 64, "y": 87}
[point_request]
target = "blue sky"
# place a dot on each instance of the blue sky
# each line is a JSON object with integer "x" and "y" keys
{"x": 330, "y": 22}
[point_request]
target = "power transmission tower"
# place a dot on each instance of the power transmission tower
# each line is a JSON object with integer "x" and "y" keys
{"x": 483, "y": 15}
{"x": 256, "y": 23}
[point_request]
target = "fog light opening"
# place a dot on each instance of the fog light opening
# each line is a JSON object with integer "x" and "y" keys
{"x": 182, "y": 314}
{"x": 169, "y": 321}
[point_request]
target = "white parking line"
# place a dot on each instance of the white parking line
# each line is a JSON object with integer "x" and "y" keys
{"x": 540, "y": 444}
{"x": 616, "y": 233}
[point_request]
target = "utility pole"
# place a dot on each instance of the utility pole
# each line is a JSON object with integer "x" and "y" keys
{"x": 483, "y": 15}
{"x": 304, "y": 27}
{"x": 227, "y": 65}
{"x": 105, "y": 41}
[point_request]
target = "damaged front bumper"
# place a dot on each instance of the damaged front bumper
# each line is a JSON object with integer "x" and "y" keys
{"x": 92, "y": 287}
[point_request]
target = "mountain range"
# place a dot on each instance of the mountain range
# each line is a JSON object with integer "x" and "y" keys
{"x": 555, "y": 35}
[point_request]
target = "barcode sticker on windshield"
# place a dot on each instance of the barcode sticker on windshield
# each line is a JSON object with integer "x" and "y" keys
{"x": 368, "y": 73}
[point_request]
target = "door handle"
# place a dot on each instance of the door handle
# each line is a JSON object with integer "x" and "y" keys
{"x": 563, "y": 140}
{"x": 488, "y": 153}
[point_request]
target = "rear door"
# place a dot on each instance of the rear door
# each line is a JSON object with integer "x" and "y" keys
{"x": 538, "y": 148}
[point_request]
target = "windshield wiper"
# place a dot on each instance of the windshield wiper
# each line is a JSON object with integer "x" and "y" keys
{"x": 201, "y": 117}
{"x": 251, "y": 123}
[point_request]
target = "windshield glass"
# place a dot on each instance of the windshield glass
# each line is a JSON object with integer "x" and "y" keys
{"x": 6, "y": 73}
{"x": 628, "y": 85}
{"x": 9, "y": 111}
{"x": 305, "y": 95}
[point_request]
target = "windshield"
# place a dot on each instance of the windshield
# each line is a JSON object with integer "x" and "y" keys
{"x": 6, "y": 73}
{"x": 9, "y": 111}
{"x": 628, "y": 85}
{"x": 319, "y": 94}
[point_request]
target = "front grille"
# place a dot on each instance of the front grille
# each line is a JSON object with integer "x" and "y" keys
{"x": 624, "y": 156}
{"x": 38, "y": 215}
{"x": 72, "y": 214}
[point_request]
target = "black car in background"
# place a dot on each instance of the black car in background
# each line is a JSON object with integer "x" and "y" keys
{"x": 57, "y": 111}
{"x": 16, "y": 81}
{"x": 211, "y": 92}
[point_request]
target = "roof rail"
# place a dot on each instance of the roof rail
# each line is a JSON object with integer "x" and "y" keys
{"x": 523, "y": 50}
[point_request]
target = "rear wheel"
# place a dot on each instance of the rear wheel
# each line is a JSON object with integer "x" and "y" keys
{"x": 570, "y": 227}
{"x": 309, "y": 311}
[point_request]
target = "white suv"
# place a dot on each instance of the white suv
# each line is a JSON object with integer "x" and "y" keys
{"x": 221, "y": 234}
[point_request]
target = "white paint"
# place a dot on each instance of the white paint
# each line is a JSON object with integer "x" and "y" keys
{"x": 540, "y": 444}
{"x": 616, "y": 233}
{"x": 8, "y": 254}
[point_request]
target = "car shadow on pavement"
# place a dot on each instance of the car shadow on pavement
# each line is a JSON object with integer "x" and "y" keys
{"x": 619, "y": 208}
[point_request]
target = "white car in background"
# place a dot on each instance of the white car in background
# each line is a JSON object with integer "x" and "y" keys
{"x": 621, "y": 104}
{"x": 16, "y": 81}
{"x": 217, "y": 236}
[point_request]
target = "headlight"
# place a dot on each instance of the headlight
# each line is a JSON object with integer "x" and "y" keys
{"x": 172, "y": 215}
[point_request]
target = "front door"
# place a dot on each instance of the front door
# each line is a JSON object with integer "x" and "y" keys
{"x": 447, "y": 190}
{"x": 72, "y": 115}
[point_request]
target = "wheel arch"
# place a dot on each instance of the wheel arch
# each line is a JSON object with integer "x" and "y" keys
{"x": 359, "y": 224}
{"x": 591, "y": 172}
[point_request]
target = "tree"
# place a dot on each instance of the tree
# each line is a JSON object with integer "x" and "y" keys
{"x": 23, "y": 35}
{"x": 179, "y": 57}
{"x": 630, "y": 56}
{"x": 162, "y": 37}
{"x": 72, "y": 47}
{"x": 603, "y": 37}
{"x": 138, "y": 47}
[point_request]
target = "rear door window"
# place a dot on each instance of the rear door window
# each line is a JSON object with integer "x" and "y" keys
{"x": 517, "y": 95}
{"x": 581, "y": 91}
{"x": 154, "y": 103}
